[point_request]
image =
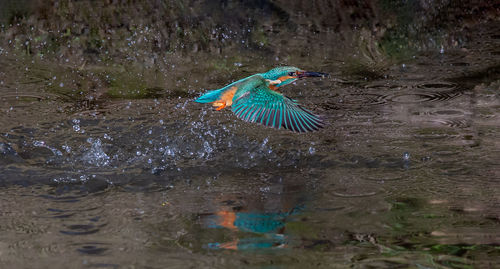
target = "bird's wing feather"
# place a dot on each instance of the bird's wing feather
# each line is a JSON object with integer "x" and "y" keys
{"x": 259, "y": 104}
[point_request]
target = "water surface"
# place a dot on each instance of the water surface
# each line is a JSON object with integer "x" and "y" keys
{"x": 405, "y": 174}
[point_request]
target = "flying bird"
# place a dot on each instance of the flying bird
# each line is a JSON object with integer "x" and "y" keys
{"x": 256, "y": 99}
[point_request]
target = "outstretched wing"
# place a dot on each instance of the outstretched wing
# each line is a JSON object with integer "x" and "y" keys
{"x": 264, "y": 106}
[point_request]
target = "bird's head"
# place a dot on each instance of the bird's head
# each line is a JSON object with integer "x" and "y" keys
{"x": 284, "y": 75}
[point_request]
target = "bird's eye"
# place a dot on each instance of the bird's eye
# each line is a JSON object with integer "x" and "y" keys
{"x": 291, "y": 74}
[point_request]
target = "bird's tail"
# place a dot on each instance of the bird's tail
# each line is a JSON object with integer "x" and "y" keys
{"x": 210, "y": 96}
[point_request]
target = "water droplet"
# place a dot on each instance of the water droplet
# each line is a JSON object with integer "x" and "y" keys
{"x": 83, "y": 178}
{"x": 312, "y": 150}
{"x": 39, "y": 143}
{"x": 406, "y": 156}
{"x": 67, "y": 148}
{"x": 265, "y": 189}
{"x": 207, "y": 147}
{"x": 265, "y": 141}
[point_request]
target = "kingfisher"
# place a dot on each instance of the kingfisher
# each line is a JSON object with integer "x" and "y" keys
{"x": 256, "y": 99}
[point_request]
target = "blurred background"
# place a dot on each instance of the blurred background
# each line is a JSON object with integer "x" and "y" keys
{"x": 216, "y": 37}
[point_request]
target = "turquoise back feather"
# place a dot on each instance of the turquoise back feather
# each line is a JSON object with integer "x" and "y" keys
{"x": 214, "y": 95}
{"x": 273, "y": 74}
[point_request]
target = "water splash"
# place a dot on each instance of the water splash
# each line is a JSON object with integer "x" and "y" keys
{"x": 96, "y": 155}
{"x": 41, "y": 144}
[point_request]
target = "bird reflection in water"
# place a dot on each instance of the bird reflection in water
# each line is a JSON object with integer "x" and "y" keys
{"x": 268, "y": 229}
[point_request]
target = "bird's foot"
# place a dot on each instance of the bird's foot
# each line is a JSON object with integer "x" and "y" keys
{"x": 220, "y": 106}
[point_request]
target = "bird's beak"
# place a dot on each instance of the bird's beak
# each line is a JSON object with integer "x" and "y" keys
{"x": 311, "y": 74}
